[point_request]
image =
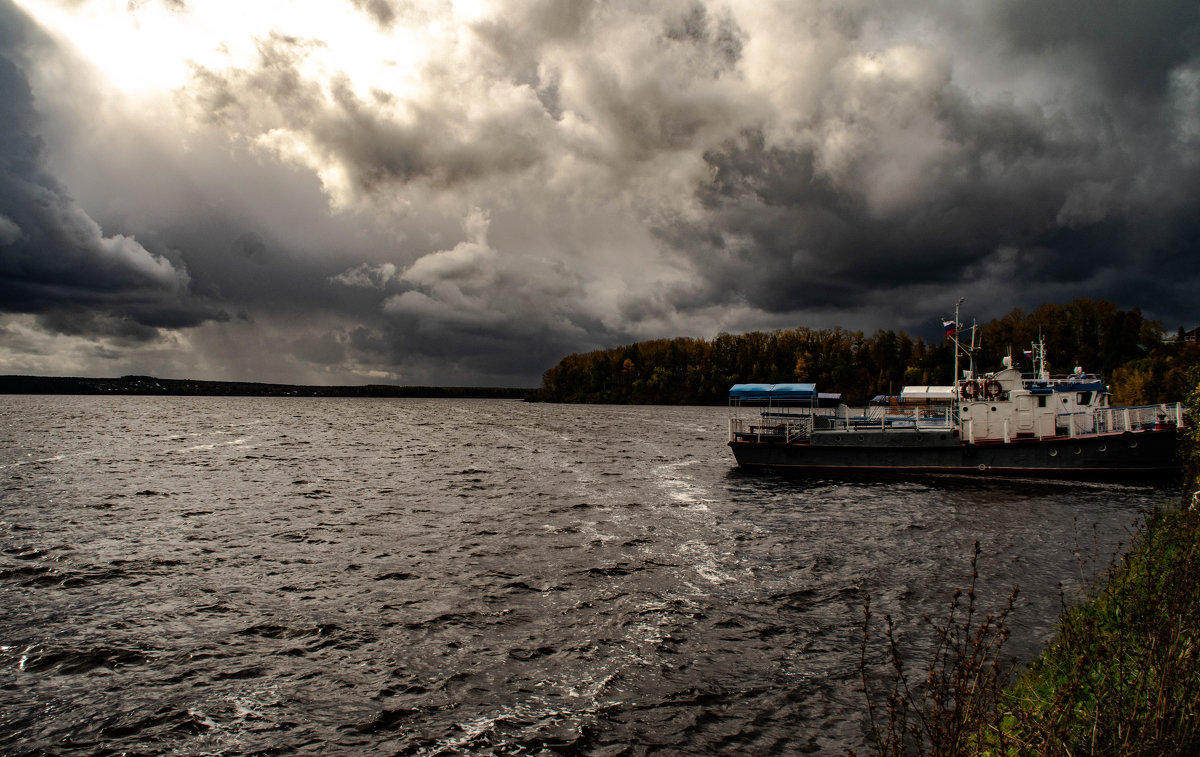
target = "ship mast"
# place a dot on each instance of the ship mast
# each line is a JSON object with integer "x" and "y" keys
{"x": 958, "y": 345}
{"x": 954, "y": 336}
{"x": 1039, "y": 359}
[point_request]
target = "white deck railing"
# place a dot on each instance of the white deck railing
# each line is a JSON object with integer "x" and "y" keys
{"x": 798, "y": 424}
{"x": 776, "y": 423}
{"x": 1113, "y": 420}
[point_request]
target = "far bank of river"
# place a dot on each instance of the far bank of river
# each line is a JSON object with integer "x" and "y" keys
{"x": 152, "y": 386}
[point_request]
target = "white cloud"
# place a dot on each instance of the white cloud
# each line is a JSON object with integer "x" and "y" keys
{"x": 469, "y": 264}
{"x": 9, "y": 230}
{"x": 367, "y": 276}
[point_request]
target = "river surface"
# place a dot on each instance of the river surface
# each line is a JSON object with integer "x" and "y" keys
{"x": 230, "y": 576}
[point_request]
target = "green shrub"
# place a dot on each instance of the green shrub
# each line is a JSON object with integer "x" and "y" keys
{"x": 1123, "y": 674}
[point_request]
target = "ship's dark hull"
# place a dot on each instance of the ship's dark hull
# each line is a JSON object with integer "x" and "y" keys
{"x": 1138, "y": 453}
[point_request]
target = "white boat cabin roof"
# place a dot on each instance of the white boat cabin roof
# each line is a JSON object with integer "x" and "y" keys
{"x": 927, "y": 393}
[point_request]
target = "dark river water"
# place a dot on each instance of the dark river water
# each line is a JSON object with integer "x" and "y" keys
{"x": 208, "y": 576}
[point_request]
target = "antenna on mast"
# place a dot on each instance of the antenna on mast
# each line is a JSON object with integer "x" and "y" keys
{"x": 969, "y": 349}
{"x": 952, "y": 331}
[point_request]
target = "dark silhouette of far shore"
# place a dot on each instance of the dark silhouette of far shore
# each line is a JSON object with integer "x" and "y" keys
{"x": 149, "y": 385}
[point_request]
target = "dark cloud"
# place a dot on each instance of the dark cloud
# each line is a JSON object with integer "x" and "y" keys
{"x": 438, "y": 143}
{"x": 55, "y": 261}
{"x": 251, "y": 246}
{"x": 717, "y": 41}
{"x": 1048, "y": 200}
{"x": 1134, "y": 47}
{"x": 382, "y": 12}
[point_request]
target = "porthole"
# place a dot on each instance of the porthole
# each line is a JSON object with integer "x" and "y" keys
{"x": 1132, "y": 443}
{"x": 1103, "y": 447}
{"x": 1053, "y": 453}
{"x": 1078, "y": 451}
{"x": 993, "y": 408}
{"x": 861, "y": 437}
{"x": 837, "y": 438}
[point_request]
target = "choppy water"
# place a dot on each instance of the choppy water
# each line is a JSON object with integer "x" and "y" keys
{"x": 280, "y": 576}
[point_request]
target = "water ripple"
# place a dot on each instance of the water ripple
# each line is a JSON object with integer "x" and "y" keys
{"x": 233, "y": 576}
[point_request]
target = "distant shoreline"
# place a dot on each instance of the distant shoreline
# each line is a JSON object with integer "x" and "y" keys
{"x": 150, "y": 385}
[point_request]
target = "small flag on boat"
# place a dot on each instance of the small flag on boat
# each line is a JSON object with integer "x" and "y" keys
{"x": 1028, "y": 353}
{"x": 951, "y": 327}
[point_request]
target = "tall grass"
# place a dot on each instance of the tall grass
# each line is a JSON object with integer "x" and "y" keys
{"x": 1122, "y": 676}
{"x": 955, "y": 700}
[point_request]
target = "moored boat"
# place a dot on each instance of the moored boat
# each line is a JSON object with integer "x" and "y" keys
{"x": 1001, "y": 423}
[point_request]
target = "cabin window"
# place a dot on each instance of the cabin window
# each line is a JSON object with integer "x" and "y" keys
{"x": 1042, "y": 401}
{"x": 1085, "y": 398}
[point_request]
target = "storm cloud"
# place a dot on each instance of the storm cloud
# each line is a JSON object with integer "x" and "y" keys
{"x": 56, "y": 261}
{"x": 462, "y": 193}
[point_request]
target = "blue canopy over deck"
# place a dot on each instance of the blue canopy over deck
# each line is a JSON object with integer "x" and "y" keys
{"x": 774, "y": 392}
{"x": 1081, "y": 385}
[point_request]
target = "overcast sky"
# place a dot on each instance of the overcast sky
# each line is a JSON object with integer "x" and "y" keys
{"x": 443, "y": 192}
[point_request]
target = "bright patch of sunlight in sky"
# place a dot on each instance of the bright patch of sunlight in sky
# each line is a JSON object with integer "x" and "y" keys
{"x": 150, "y": 48}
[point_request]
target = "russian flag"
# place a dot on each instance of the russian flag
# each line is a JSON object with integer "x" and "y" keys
{"x": 951, "y": 327}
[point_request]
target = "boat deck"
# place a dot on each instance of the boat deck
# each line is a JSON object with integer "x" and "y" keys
{"x": 800, "y": 425}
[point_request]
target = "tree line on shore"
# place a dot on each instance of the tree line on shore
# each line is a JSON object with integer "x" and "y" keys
{"x": 1097, "y": 335}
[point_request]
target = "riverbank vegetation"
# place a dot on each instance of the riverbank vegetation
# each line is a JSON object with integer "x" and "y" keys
{"x": 1096, "y": 335}
{"x": 1121, "y": 677}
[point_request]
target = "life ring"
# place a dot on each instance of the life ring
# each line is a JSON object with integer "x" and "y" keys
{"x": 992, "y": 389}
{"x": 970, "y": 389}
